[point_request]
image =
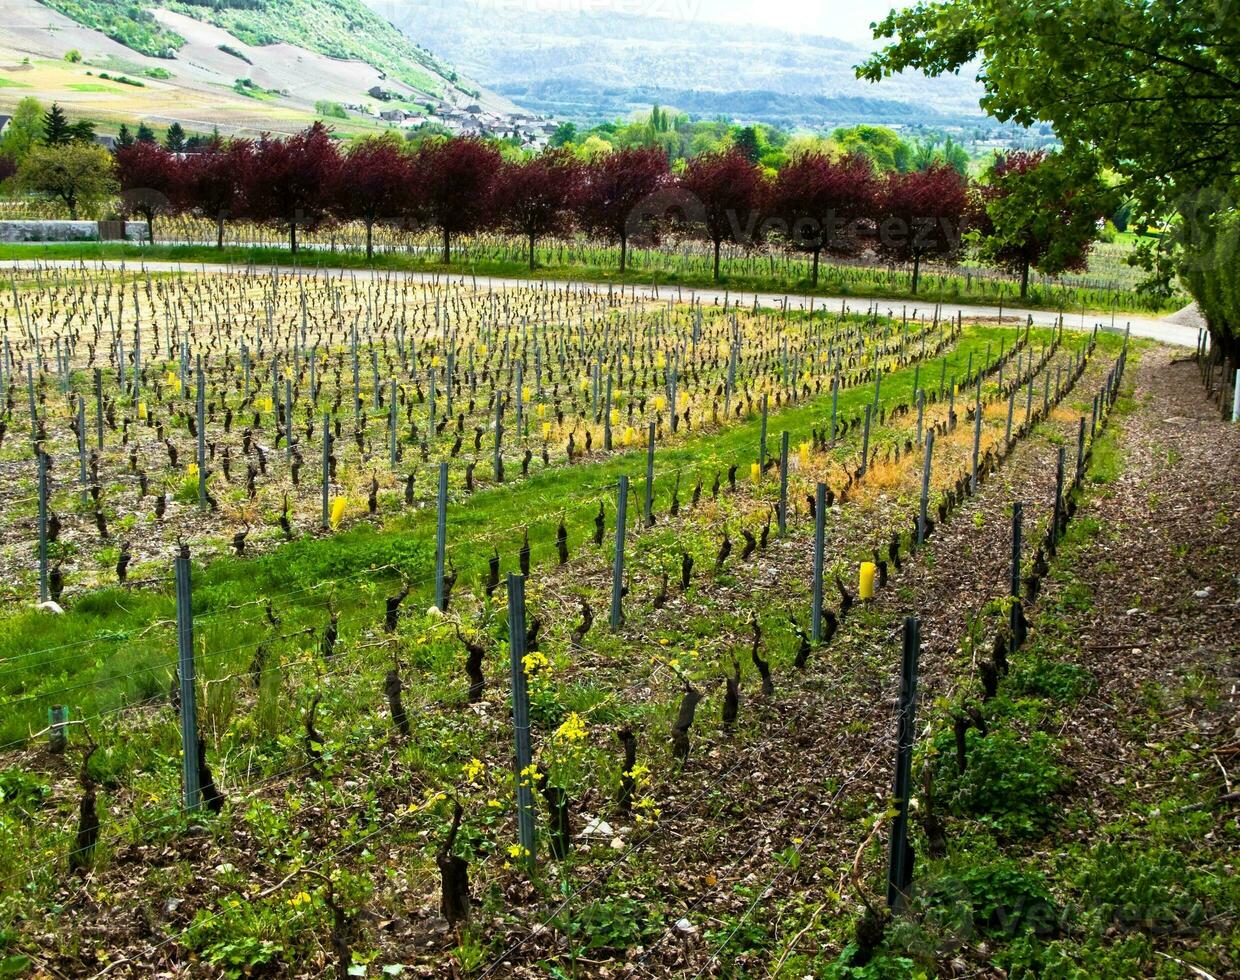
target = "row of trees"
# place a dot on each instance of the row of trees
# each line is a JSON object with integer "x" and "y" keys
{"x": 1028, "y": 213}
{"x": 1158, "y": 102}
{"x": 683, "y": 138}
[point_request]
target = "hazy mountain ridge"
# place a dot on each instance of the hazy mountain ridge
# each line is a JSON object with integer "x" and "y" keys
{"x": 156, "y": 62}
{"x": 340, "y": 29}
{"x": 589, "y": 67}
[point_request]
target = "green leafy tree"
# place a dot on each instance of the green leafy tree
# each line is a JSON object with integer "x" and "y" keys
{"x": 955, "y": 156}
{"x": 174, "y": 139}
{"x": 56, "y": 128}
{"x": 883, "y": 146}
{"x": 25, "y": 130}
{"x": 924, "y": 154}
{"x": 124, "y": 137}
{"x": 1153, "y": 88}
{"x": 79, "y": 175}
{"x": 565, "y": 132}
{"x": 928, "y": 153}
{"x": 145, "y": 133}
{"x": 426, "y": 132}
{"x": 82, "y": 131}
{"x": 748, "y": 142}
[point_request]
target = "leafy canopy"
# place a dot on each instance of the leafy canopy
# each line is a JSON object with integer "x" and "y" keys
{"x": 1040, "y": 210}
{"x": 78, "y": 174}
{"x": 1152, "y": 85}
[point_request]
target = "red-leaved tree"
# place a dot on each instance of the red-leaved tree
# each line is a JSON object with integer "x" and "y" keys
{"x": 213, "y": 187}
{"x": 921, "y": 214}
{"x": 291, "y": 180}
{"x": 375, "y": 184}
{"x": 821, "y": 204}
{"x": 616, "y": 188}
{"x": 455, "y": 177}
{"x": 1040, "y": 210}
{"x": 150, "y": 180}
{"x": 536, "y": 197}
{"x": 727, "y": 191}
{"x": 8, "y": 168}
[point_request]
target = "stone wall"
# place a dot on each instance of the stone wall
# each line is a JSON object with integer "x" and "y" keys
{"x": 63, "y": 231}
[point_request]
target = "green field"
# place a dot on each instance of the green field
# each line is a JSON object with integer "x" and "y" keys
{"x": 599, "y": 265}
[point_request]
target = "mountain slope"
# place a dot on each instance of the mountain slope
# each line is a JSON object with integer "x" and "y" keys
{"x": 590, "y": 66}
{"x": 269, "y": 70}
{"x": 339, "y": 29}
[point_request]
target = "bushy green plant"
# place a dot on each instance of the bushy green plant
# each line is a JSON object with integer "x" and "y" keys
{"x": 229, "y": 49}
{"x": 1009, "y": 782}
{"x": 1027, "y": 958}
{"x": 884, "y": 966}
{"x": 1152, "y": 890}
{"x": 1056, "y": 680}
{"x": 20, "y": 790}
{"x": 335, "y": 110}
{"x": 611, "y": 924}
{"x": 997, "y": 896}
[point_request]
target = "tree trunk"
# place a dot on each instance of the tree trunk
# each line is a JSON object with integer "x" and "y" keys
{"x": 71, "y": 203}
{"x": 370, "y": 239}
{"x": 531, "y": 253}
{"x": 1024, "y": 280}
{"x": 624, "y": 241}
{"x": 717, "y": 244}
{"x": 813, "y": 279}
{"x": 447, "y": 246}
{"x": 1224, "y": 346}
{"x": 219, "y": 233}
{"x": 150, "y": 228}
{"x": 292, "y": 235}
{"x": 916, "y": 270}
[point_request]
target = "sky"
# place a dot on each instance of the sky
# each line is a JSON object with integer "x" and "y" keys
{"x": 848, "y": 20}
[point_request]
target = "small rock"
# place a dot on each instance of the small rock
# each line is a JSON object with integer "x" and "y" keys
{"x": 617, "y": 844}
{"x": 52, "y": 607}
{"x": 597, "y": 827}
{"x": 685, "y": 927}
{"x": 434, "y": 612}
{"x": 1203, "y": 593}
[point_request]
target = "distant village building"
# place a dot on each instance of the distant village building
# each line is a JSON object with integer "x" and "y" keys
{"x": 4, "y": 123}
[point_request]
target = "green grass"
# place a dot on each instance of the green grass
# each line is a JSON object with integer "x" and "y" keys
{"x": 1131, "y": 880}
{"x": 104, "y": 639}
{"x": 243, "y": 86}
{"x": 953, "y": 289}
{"x": 9, "y": 83}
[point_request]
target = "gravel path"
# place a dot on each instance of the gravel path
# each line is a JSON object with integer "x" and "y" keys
{"x": 1166, "y": 331}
